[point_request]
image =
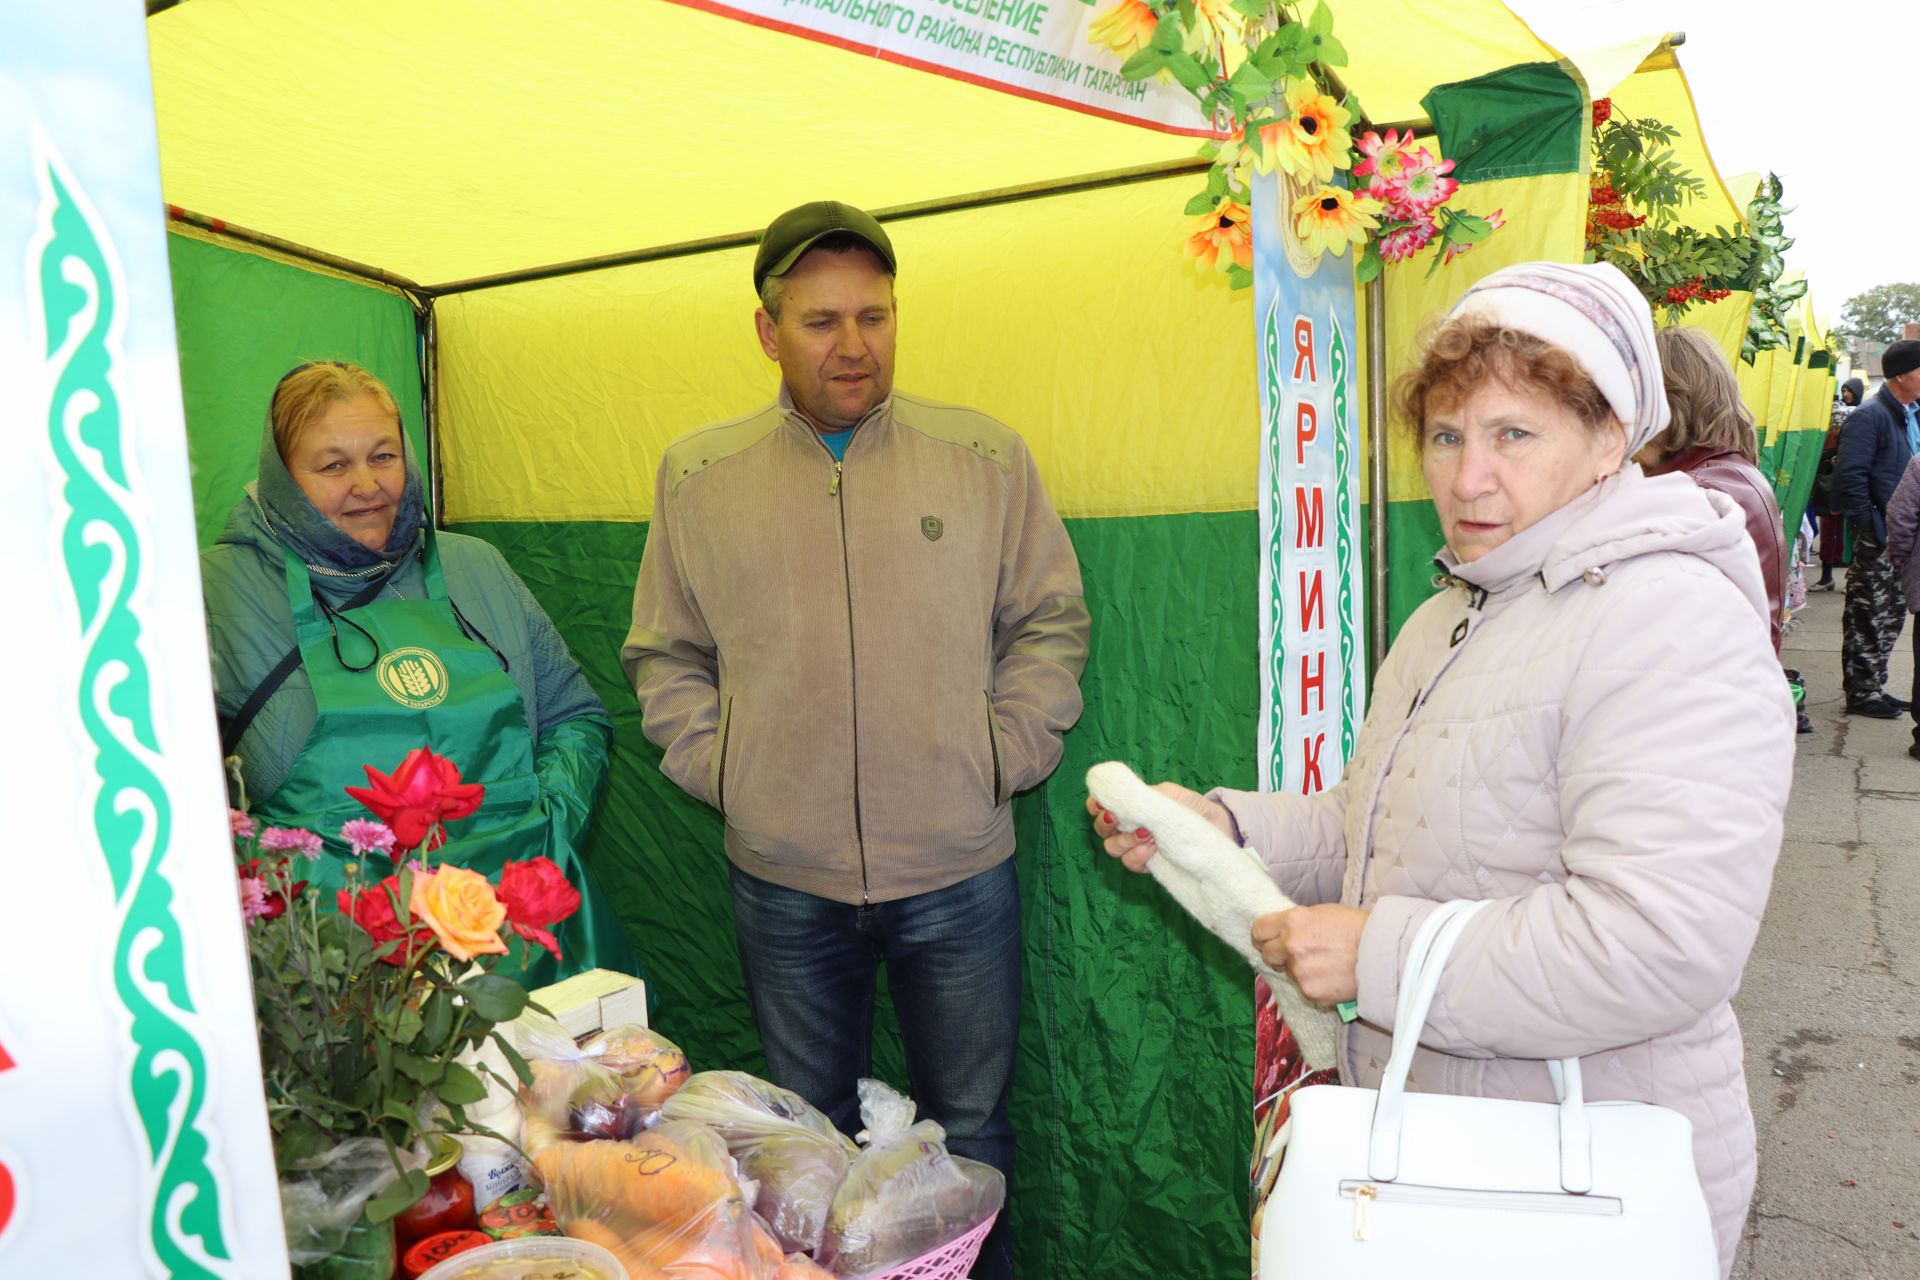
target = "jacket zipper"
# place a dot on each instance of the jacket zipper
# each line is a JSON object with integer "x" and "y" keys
{"x": 1367, "y": 1194}
{"x": 993, "y": 747}
{"x": 1475, "y": 598}
{"x": 720, "y": 783}
{"x": 853, "y": 672}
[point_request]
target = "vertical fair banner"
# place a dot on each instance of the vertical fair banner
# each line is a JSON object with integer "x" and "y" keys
{"x": 133, "y": 1133}
{"x": 1312, "y": 613}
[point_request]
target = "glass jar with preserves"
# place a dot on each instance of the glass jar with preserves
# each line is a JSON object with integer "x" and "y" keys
{"x": 448, "y": 1204}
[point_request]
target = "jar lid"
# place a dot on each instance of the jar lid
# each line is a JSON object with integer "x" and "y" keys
{"x": 446, "y": 1154}
{"x": 436, "y": 1249}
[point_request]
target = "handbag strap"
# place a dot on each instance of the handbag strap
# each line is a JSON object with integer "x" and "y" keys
{"x": 1432, "y": 944}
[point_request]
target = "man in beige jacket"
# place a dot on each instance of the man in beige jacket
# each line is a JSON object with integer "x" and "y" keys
{"x": 858, "y": 630}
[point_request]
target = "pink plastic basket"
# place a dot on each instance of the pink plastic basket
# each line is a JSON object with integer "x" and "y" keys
{"x": 951, "y": 1261}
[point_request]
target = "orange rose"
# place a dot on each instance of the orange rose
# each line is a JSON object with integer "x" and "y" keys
{"x": 459, "y": 906}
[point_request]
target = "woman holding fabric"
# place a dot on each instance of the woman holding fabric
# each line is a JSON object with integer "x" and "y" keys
{"x": 346, "y": 632}
{"x": 1587, "y": 726}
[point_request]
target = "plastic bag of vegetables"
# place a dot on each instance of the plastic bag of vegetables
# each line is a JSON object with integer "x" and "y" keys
{"x": 609, "y": 1086}
{"x": 904, "y": 1194}
{"x": 786, "y": 1146}
{"x": 667, "y": 1204}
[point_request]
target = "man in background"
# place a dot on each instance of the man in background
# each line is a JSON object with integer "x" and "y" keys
{"x": 1876, "y": 443}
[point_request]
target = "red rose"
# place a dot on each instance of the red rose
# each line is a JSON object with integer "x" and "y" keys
{"x": 424, "y": 792}
{"x": 536, "y": 895}
{"x": 276, "y": 901}
{"x": 373, "y": 909}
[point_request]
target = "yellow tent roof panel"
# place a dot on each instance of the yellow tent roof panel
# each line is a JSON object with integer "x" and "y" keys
{"x": 447, "y": 139}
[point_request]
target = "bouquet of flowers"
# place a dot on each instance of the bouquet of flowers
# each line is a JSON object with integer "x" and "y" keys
{"x": 366, "y": 1002}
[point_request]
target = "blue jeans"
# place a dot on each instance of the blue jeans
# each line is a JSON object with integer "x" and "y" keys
{"x": 953, "y": 970}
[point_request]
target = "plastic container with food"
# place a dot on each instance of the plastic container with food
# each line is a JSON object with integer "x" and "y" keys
{"x": 539, "y": 1258}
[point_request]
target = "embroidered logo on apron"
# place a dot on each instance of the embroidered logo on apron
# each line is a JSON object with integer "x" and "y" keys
{"x": 931, "y": 526}
{"x": 413, "y": 677}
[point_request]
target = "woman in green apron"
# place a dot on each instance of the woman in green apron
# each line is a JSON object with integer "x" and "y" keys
{"x": 346, "y": 632}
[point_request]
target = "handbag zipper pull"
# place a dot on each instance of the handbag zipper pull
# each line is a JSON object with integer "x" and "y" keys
{"x": 1362, "y": 1199}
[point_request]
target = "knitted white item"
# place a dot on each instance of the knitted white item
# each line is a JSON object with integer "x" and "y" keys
{"x": 1222, "y": 885}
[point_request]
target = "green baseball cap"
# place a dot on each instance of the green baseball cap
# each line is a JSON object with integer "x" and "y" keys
{"x": 794, "y": 232}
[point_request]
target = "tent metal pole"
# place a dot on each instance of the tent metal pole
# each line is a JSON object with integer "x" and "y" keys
{"x": 1377, "y": 473}
{"x": 430, "y": 407}
{"x": 897, "y": 213}
{"x": 222, "y": 229}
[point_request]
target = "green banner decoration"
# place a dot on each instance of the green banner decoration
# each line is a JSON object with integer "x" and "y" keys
{"x": 78, "y": 291}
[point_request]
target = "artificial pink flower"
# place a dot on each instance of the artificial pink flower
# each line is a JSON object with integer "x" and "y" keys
{"x": 241, "y": 824}
{"x": 253, "y": 899}
{"x": 1384, "y": 159}
{"x": 291, "y": 840}
{"x": 1424, "y": 183}
{"x": 365, "y": 836}
{"x": 1403, "y": 242}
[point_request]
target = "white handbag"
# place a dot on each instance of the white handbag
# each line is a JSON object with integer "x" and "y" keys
{"x": 1390, "y": 1183}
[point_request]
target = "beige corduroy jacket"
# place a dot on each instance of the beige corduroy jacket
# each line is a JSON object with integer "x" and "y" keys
{"x": 860, "y": 662}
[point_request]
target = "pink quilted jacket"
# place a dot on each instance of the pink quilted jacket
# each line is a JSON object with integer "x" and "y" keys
{"x": 1589, "y": 727}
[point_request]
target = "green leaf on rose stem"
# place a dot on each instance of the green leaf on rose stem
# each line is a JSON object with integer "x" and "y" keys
{"x": 425, "y": 1070}
{"x": 435, "y": 1022}
{"x": 1238, "y": 277}
{"x": 460, "y": 1086}
{"x": 407, "y": 1025}
{"x": 405, "y": 1192}
{"x": 521, "y": 1070}
{"x": 1202, "y": 203}
{"x": 493, "y": 997}
{"x": 1144, "y": 64}
{"x": 396, "y": 1110}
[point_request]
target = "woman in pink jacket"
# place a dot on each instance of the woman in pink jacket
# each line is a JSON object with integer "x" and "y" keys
{"x": 1588, "y": 727}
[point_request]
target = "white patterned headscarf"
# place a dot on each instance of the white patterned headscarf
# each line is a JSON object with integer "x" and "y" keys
{"x": 1595, "y": 315}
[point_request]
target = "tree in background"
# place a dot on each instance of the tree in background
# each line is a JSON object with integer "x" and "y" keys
{"x": 1878, "y": 315}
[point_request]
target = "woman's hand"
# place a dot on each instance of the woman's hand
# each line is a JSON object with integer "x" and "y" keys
{"x": 1318, "y": 947}
{"x": 1136, "y": 848}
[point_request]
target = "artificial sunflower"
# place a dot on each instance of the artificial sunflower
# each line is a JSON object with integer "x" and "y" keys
{"x": 1124, "y": 29}
{"x": 1330, "y": 219}
{"x": 1222, "y": 238}
{"x": 1313, "y": 140}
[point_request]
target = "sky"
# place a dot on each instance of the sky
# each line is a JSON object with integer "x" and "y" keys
{"x": 1806, "y": 91}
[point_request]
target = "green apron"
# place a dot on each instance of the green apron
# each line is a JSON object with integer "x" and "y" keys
{"x": 398, "y": 674}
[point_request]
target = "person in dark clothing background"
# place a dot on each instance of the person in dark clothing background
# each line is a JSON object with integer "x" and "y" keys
{"x": 1877, "y": 442}
{"x": 1833, "y": 526}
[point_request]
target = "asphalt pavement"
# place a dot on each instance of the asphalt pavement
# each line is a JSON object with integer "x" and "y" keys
{"x": 1830, "y": 1005}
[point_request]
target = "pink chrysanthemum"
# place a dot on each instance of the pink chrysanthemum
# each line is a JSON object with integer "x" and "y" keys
{"x": 291, "y": 840}
{"x": 364, "y": 836}
{"x": 253, "y": 898}
{"x": 242, "y": 824}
